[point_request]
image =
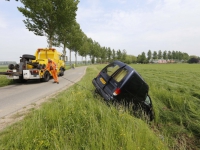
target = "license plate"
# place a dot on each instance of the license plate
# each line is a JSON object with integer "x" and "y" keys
{"x": 102, "y": 81}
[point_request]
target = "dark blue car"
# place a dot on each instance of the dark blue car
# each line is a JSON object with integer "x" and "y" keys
{"x": 119, "y": 82}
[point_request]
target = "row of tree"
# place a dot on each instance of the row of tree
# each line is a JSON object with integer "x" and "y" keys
{"x": 56, "y": 19}
{"x": 165, "y": 55}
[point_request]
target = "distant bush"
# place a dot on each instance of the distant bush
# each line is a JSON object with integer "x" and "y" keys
{"x": 193, "y": 60}
{"x": 7, "y": 62}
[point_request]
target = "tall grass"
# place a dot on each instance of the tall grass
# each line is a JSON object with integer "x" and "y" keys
{"x": 74, "y": 119}
{"x": 175, "y": 91}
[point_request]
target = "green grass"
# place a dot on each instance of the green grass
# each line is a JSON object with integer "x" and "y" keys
{"x": 174, "y": 89}
{"x": 3, "y": 80}
{"x": 75, "y": 119}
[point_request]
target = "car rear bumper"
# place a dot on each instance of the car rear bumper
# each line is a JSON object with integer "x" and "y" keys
{"x": 101, "y": 92}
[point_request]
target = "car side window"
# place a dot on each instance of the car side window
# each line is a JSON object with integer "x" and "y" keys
{"x": 120, "y": 75}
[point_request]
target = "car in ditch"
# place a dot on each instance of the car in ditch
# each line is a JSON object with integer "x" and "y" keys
{"x": 118, "y": 82}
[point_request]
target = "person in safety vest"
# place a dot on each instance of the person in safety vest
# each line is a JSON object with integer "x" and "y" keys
{"x": 51, "y": 67}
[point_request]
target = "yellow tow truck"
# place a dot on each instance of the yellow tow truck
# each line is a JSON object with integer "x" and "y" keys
{"x": 32, "y": 66}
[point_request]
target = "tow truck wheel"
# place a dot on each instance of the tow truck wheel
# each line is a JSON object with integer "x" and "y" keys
{"x": 17, "y": 66}
{"x": 61, "y": 73}
{"x": 11, "y": 66}
{"x": 46, "y": 77}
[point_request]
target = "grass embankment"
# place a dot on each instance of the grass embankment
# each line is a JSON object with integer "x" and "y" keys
{"x": 76, "y": 120}
{"x": 3, "y": 80}
{"x": 175, "y": 91}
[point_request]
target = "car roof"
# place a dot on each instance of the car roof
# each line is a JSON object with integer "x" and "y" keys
{"x": 119, "y": 62}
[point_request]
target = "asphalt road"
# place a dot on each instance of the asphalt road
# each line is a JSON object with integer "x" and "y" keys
{"x": 17, "y": 96}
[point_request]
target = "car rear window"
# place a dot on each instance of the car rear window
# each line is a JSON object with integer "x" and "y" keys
{"x": 111, "y": 69}
{"x": 120, "y": 75}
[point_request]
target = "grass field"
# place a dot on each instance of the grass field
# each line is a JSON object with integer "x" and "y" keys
{"x": 76, "y": 120}
{"x": 3, "y": 80}
{"x": 175, "y": 90}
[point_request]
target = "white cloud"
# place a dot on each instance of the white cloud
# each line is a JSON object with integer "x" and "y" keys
{"x": 149, "y": 1}
{"x": 169, "y": 24}
{"x": 172, "y": 3}
{"x": 19, "y": 41}
{"x": 122, "y": 1}
{"x": 2, "y": 22}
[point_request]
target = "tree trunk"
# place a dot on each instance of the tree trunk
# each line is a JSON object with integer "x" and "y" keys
{"x": 70, "y": 57}
{"x": 50, "y": 41}
{"x": 76, "y": 58}
{"x": 82, "y": 60}
{"x": 64, "y": 52}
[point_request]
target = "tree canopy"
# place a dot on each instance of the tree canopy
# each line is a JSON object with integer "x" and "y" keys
{"x": 44, "y": 17}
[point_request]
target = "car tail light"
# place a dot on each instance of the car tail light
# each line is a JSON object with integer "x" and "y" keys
{"x": 117, "y": 92}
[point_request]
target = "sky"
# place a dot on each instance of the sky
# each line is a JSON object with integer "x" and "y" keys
{"x": 132, "y": 25}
